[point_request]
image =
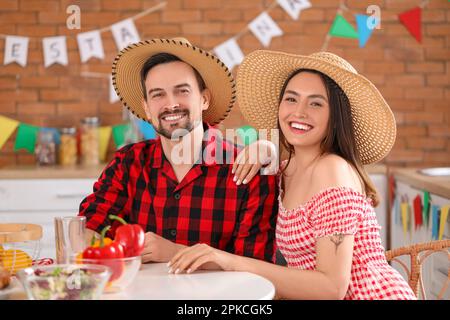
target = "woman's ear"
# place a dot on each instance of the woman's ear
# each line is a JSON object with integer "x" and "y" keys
{"x": 206, "y": 99}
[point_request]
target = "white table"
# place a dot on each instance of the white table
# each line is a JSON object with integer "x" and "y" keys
{"x": 153, "y": 282}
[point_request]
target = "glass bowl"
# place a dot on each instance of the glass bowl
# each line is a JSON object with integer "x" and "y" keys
{"x": 64, "y": 281}
{"x": 124, "y": 270}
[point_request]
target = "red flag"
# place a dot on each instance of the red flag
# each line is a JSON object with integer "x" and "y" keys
{"x": 412, "y": 19}
{"x": 417, "y": 202}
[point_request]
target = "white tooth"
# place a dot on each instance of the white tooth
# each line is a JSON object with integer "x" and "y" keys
{"x": 171, "y": 118}
{"x": 300, "y": 126}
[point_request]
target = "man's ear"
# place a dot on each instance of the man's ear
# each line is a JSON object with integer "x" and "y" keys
{"x": 206, "y": 99}
{"x": 147, "y": 110}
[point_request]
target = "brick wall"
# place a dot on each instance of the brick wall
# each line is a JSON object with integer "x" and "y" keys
{"x": 414, "y": 78}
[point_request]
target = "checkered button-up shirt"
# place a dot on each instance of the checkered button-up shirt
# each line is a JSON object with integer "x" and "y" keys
{"x": 140, "y": 185}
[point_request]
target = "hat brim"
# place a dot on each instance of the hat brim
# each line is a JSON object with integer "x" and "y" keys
{"x": 127, "y": 67}
{"x": 260, "y": 79}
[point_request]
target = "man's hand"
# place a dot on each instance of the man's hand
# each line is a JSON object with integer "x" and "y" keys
{"x": 158, "y": 249}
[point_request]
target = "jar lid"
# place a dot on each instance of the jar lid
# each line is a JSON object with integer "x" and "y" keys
{"x": 90, "y": 120}
{"x": 70, "y": 130}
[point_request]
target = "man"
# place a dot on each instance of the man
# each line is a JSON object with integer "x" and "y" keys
{"x": 173, "y": 186}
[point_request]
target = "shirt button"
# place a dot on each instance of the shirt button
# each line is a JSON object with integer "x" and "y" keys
{"x": 173, "y": 232}
{"x": 177, "y": 196}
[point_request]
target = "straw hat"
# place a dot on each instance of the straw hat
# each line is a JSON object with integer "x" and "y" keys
{"x": 262, "y": 74}
{"x": 218, "y": 79}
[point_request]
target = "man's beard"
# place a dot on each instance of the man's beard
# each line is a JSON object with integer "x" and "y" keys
{"x": 180, "y": 129}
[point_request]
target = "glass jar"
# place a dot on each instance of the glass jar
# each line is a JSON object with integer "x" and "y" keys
{"x": 89, "y": 140}
{"x": 68, "y": 147}
{"x": 46, "y": 148}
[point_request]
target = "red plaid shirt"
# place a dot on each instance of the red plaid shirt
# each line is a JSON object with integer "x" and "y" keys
{"x": 140, "y": 185}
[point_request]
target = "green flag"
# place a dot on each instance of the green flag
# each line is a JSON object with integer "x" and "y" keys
{"x": 248, "y": 134}
{"x": 119, "y": 133}
{"x": 341, "y": 28}
{"x": 26, "y": 137}
{"x": 426, "y": 207}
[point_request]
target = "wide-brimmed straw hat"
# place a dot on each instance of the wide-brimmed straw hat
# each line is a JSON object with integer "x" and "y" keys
{"x": 218, "y": 79}
{"x": 260, "y": 79}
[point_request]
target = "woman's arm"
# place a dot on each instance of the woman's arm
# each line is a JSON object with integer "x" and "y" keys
{"x": 329, "y": 281}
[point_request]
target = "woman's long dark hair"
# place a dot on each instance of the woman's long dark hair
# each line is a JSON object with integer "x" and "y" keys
{"x": 340, "y": 137}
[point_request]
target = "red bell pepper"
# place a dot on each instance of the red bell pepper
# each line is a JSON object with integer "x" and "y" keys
{"x": 110, "y": 254}
{"x": 130, "y": 236}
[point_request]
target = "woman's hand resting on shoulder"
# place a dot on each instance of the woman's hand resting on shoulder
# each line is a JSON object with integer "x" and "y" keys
{"x": 259, "y": 154}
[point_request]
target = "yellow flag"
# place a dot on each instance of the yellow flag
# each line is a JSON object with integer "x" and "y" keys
{"x": 443, "y": 222}
{"x": 104, "y": 134}
{"x": 7, "y": 127}
{"x": 404, "y": 210}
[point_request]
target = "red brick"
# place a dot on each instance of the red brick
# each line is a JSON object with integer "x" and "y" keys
{"x": 423, "y": 143}
{"x": 181, "y": 16}
{"x": 201, "y": 28}
{"x": 9, "y": 5}
{"x": 39, "y": 5}
{"x": 202, "y": 4}
{"x": 424, "y": 117}
{"x": 8, "y": 83}
{"x": 424, "y": 93}
{"x": 18, "y": 95}
{"x": 36, "y": 108}
{"x": 38, "y": 82}
{"x": 116, "y": 5}
{"x": 425, "y": 67}
{"x": 222, "y": 15}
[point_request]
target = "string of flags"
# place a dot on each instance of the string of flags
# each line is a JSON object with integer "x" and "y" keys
{"x": 418, "y": 213}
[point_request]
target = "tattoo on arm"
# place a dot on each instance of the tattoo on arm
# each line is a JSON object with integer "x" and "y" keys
{"x": 337, "y": 239}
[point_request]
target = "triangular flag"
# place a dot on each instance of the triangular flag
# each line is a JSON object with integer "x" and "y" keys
{"x": 412, "y": 19}
{"x": 341, "y": 28}
{"x": 119, "y": 132}
{"x": 364, "y": 29}
{"x": 417, "y": 205}
{"x": 435, "y": 214}
{"x": 7, "y": 127}
{"x": 426, "y": 208}
{"x": 104, "y": 134}
{"x": 147, "y": 130}
{"x": 26, "y": 137}
{"x": 443, "y": 223}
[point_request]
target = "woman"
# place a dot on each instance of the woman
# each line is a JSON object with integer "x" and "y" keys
{"x": 332, "y": 122}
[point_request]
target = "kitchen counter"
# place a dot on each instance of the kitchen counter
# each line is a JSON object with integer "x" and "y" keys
{"x": 51, "y": 172}
{"x": 437, "y": 185}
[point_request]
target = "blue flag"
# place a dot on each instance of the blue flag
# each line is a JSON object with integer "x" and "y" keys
{"x": 147, "y": 130}
{"x": 365, "y": 28}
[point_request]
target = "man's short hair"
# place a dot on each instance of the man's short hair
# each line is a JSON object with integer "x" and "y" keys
{"x": 161, "y": 58}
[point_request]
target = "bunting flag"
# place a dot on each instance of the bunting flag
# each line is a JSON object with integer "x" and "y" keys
{"x": 412, "y": 19}
{"x": 55, "y": 51}
{"x": 90, "y": 45}
{"x": 230, "y": 53}
{"x": 294, "y": 7}
{"x": 124, "y": 33}
{"x": 247, "y": 134}
{"x": 7, "y": 127}
{"x": 365, "y": 28}
{"x": 435, "y": 212}
{"x": 26, "y": 137}
{"x": 404, "y": 207}
{"x": 16, "y": 50}
{"x": 443, "y": 220}
{"x": 341, "y": 28}
{"x": 104, "y": 134}
{"x": 264, "y": 28}
{"x": 426, "y": 208}
{"x": 147, "y": 130}
{"x": 417, "y": 205}
{"x": 113, "y": 97}
{"x": 119, "y": 133}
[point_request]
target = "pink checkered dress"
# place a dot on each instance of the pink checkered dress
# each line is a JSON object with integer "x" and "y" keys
{"x": 341, "y": 210}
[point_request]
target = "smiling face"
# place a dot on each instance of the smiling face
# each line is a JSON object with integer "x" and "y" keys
{"x": 174, "y": 100}
{"x": 304, "y": 110}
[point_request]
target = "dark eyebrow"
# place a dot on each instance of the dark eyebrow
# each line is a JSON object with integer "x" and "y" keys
{"x": 153, "y": 90}
{"x": 310, "y": 96}
{"x": 178, "y": 86}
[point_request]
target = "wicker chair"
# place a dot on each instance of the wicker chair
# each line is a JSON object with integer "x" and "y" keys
{"x": 418, "y": 253}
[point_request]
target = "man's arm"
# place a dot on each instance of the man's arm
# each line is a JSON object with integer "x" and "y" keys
{"x": 110, "y": 196}
{"x": 255, "y": 230}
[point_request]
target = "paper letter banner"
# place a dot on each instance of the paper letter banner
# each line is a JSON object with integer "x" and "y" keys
{"x": 412, "y": 19}
{"x": 364, "y": 31}
{"x": 435, "y": 221}
{"x": 443, "y": 223}
{"x": 341, "y": 28}
{"x": 294, "y": 7}
{"x": 113, "y": 97}
{"x": 16, "y": 50}
{"x": 264, "y": 28}
{"x": 55, "y": 51}
{"x": 104, "y": 134}
{"x": 125, "y": 33}
{"x": 90, "y": 45}
{"x": 426, "y": 208}
{"x": 417, "y": 203}
{"x": 7, "y": 127}
{"x": 230, "y": 53}
{"x": 26, "y": 137}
